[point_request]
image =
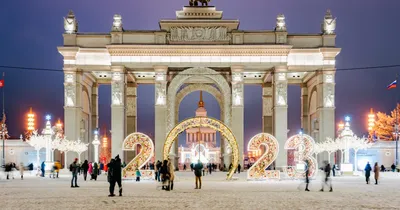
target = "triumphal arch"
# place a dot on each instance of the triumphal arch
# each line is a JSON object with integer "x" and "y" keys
{"x": 199, "y": 50}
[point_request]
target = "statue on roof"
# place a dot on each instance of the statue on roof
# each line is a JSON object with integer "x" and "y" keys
{"x": 329, "y": 24}
{"x": 195, "y": 3}
{"x": 70, "y": 23}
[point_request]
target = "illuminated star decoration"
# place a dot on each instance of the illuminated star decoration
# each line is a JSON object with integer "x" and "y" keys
{"x": 347, "y": 119}
{"x": 48, "y": 117}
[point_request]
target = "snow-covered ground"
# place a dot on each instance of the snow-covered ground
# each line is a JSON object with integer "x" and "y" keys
{"x": 216, "y": 193}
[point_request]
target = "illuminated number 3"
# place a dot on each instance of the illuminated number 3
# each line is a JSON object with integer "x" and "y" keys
{"x": 304, "y": 146}
{"x": 257, "y": 171}
{"x": 146, "y": 152}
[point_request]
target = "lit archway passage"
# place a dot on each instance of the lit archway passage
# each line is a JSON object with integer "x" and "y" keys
{"x": 207, "y": 123}
{"x": 146, "y": 153}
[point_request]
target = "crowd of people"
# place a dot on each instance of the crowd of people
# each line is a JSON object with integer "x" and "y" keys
{"x": 165, "y": 172}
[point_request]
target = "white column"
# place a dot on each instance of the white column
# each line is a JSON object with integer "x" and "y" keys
{"x": 305, "y": 109}
{"x": 238, "y": 109}
{"x": 96, "y": 144}
{"x": 326, "y": 106}
{"x": 72, "y": 105}
{"x": 131, "y": 116}
{"x": 160, "y": 110}
{"x": 94, "y": 121}
{"x": 280, "y": 113}
{"x": 118, "y": 121}
{"x": 267, "y": 100}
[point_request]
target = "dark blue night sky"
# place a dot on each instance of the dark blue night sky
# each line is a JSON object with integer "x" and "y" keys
{"x": 30, "y": 31}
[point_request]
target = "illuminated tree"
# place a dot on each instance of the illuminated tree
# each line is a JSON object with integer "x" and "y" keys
{"x": 384, "y": 125}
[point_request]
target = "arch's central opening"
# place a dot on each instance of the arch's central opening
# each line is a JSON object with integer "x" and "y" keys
{"x": 204, "y": 122}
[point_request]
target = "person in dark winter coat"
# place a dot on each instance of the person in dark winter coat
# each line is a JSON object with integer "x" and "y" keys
{"x": 367, "y": 172}
{"x": 117, "y": 173}
{"x": 95, "y": 171}
{"x": 110, "y": 177}
{"x": 327, "y": 181}
{"x": 42, "y": 166}
{"x": 197, "y": 172}
{"x": 333, "y": 170}
{"x": 158, "y": 168}
{"x": 307, "y": 174}
{"x": 74, "y": 168}
{"x": 393, "y": 167}
{"x": 165, "y": 175}
{"x": 85, "y": 167}
{"x": 239, "y": 167}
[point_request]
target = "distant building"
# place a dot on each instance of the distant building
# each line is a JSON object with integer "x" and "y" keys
{"x": 201, "y": 143}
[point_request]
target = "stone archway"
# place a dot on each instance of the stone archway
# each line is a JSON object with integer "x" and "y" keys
{"x": 199, "y": 87}
{"x": 208, "y": 123}
{"x": 180, "y": 79}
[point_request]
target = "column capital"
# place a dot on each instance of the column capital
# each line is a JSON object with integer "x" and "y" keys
{"x": 118, "y": 69}
{"x": 160, "y": 68}
{"x": 281, "y": 68}
{"x": 237, "y": 68}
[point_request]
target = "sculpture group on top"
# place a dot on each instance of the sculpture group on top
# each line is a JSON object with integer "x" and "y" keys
{"x": 196, "y": 3}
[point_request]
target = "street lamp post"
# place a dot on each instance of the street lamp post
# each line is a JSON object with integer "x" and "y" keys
{"x": 96, "y": 144}
{"x": 2, "y": 137}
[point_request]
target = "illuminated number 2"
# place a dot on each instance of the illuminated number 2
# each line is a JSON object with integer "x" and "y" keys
{"x": 257, "y": 171}
{"x": 146, "y": 153}
{"x": 304, "y": 146}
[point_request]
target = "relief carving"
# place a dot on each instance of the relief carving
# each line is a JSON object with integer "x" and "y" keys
{"x": 267, "y": 106}
{"x": 217, "y": 33}
{"x": 282, "y": 95}
{"x": 116, "y": 93}
{"x": 69, "y": 95}
{"x": 329, "y": 100}
{"x": 131, "y": 106}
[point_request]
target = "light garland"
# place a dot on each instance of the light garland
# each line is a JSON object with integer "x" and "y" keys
{"x": 304, "y": 146}
{"x": 207, "y": 123}
{"x": 146, "y": 153}
{"x": 257, "y": 171}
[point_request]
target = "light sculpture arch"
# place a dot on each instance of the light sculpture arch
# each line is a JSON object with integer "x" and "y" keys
{"x": 208, "y": 123}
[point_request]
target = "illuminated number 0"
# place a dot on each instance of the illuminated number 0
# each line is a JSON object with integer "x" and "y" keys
{"x": 257, "y": 171}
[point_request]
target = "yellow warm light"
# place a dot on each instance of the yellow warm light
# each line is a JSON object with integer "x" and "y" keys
{"x": 371, "y": 120}
{"x": 31, "y": 121}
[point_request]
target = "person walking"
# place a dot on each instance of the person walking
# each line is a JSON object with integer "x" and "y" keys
{"x": 376, "y": 171}
{"x": 158, "y": 168}
{"x": 171, "y": 170}
{"x": 117, "y": 173}
{"x": 21, "y": 170}
{"x": 239, "y": 167}
{"x": 138, "y": 175}
{"x": 90, "y": 170}
{"x": 42, "y": 166}
{"x": 367, "y": 172}
{"x": 307, "y": 175}
{"x": 74, "y": 168}
{"x": 197, "y": 172}
{"x": 184, "y": 167}
{"x": 165, "y": 175}
{"x": 393, "y": 167}
{"x": 85, "y": 167}
{"x": 327, "y": 180}
{"x": 57, "y": 164}
{"x": 110, "y": 177}
{"x": 333, "y": 170}
{"x": 95, "y": 171}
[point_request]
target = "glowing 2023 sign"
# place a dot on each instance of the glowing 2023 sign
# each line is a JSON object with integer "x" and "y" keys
{"x": 303, "y": 144}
